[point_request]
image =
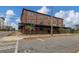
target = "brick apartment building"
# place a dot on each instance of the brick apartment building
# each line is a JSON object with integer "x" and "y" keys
{"x": 41, "y": 22}
{"x": 2, "y": 19}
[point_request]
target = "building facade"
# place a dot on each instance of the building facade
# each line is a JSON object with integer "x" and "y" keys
{"x": 2, "y": 19}
{"x": 41, "y": 22}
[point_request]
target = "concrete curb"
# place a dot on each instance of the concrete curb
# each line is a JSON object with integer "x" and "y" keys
{"x": 14, "y": 38}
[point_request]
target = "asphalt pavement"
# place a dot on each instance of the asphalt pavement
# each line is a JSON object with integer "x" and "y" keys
{"x": 60, "y": 44}
{"x": 64, "y": 44}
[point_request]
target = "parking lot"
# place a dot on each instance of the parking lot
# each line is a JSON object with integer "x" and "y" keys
{"x": 63, "y": 44}
{"x": 55, "y": 44}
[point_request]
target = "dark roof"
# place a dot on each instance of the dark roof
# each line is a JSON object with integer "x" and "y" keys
{"x": 41, "y": 13}
{"x": 2, "y": 18}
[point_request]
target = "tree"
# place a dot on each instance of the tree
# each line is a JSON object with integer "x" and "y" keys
{"x": 30, "y": 27}
{"x": 72, "y": 31}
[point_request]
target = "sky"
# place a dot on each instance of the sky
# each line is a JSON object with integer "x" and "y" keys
{"x": 70, "y": 14}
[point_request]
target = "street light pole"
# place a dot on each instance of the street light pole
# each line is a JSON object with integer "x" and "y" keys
{"x": 51, "y": 24}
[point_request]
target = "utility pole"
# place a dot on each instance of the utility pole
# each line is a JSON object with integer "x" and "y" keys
{"x": 51, "y": 23}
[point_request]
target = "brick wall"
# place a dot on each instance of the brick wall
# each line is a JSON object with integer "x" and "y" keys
{"x": 36, "y": 18}
{"x": 60, "y": 23}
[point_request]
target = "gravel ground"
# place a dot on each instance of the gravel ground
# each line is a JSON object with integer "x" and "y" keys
{"x": 56, "y": 44}
{"x": 4, "y": 33}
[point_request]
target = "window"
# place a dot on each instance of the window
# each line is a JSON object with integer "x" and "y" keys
{"x": 41, "y": 23}
{"x": 49, "y": 18}
{"x": 49, "y": 23}
{"x": 29, "y": 21}
{"x": 41, "y": 17}
{"x": 30, "y": 13}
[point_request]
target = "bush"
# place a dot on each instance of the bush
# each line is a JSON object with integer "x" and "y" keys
{"x": 64, "y": 30}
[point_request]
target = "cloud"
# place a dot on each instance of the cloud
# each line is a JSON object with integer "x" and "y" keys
{"x": 10, "y": 19}
{"x": 18, "y": 20}
{"x": 14, "y": 25}
{"x": 10, "y": 13}
{"x": 43, "y": 10}
{"x": 71, "y": 18}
